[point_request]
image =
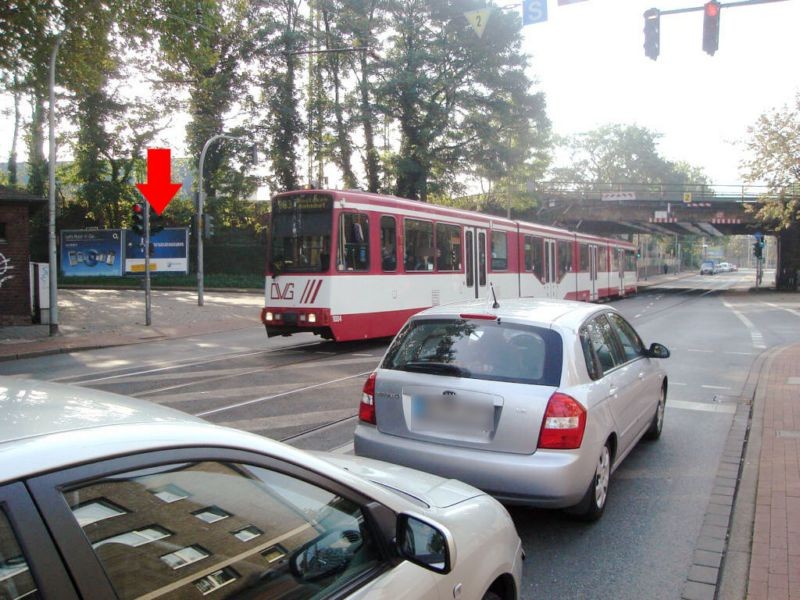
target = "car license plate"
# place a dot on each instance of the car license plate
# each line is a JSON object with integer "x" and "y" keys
{"x": 450, "y": 415}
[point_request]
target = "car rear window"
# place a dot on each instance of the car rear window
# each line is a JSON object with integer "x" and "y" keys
{"x": 478, "y": 349}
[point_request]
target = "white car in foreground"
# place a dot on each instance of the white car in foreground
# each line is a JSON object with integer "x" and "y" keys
{"x": 103, "y": 496}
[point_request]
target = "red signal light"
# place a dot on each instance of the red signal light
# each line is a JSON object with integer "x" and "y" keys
{"x": 137, "y": 208}
{"x": 712, "y": 9}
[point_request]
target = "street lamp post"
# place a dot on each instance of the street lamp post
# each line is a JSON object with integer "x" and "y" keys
{"x": 51, "y": 228}
{"x": 201, "y": 195}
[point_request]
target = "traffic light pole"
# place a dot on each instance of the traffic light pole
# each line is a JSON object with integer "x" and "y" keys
{"x": 148, "y": 320}
{"x": 676, "y": 11}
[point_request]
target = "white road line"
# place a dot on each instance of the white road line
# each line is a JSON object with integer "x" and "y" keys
{"x": 740, "y": 353}
{"x": 637, "y": 316}
{"x": 697, "y": 350}
{"x": 789, "y": 310}
{"x": 755, "y": 334}
{"x": 671, "y": 383}
{"x": 715, "y": 387}
{"x": 265, "y": 398}
{"x": 702, "y": 406}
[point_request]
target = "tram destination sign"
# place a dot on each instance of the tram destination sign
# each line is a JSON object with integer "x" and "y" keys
{"x": 302, "y": 202}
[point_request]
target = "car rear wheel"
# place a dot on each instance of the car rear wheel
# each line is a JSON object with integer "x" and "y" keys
{"x": 591, "y": 507}
{"x": 657, "y": 423}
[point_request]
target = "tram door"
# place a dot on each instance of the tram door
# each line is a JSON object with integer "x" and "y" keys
{"x": 593, "y": 271}
{"x": 550, "y": 275}
{"x": 475, "y": 261}
{"x": 621, "y": 270}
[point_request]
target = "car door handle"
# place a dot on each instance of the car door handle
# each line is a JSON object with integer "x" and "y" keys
{"x": 612, "y": 391}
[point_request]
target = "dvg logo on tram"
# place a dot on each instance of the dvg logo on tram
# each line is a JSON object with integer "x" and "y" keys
{"x": 276, "y": 293}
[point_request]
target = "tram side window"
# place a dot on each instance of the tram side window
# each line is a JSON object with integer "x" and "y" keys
{"x": 564, "y": 259}
{"x": 583, "y": 258}
{"x": 353, "y": 250}
{"x": 534, "y": 256}
{"x": 448, "y": 247}
{"x": 499, "y": 251}
{"x": 419, "y": 248}
{"x": 388, "y": 244}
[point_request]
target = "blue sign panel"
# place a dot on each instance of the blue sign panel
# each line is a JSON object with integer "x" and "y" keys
{"x": 91, "y": 252}
{"x": 169, "y": 254}
{"x": 534, "y": 11}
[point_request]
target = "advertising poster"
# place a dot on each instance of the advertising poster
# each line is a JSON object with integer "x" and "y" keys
{"x": 169, "y": 254}
{"x": 91, "y": 252}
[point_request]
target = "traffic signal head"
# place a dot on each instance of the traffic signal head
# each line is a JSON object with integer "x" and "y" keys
{"x": 711, "y": 11}
{"x": 208, "y": 229}
{"x": 757, "y": 248}
{"x": 138, "y": 218}
{"x": 652, "y": 33}
{"x": 156, "y": 222}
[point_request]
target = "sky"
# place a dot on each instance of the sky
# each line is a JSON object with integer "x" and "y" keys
{"x": 588, "y": 58}
{"x": 589, "y": 61}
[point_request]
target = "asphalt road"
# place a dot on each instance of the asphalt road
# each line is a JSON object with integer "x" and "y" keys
{"x": 306, "y": 392}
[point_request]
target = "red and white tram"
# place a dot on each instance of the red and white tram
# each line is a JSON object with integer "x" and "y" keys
{"x": 350, "y": 265}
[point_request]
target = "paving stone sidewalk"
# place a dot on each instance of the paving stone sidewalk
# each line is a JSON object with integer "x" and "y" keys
{"x": 97, "y": 318}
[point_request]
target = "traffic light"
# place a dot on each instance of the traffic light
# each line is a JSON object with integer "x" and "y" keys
{"x": 711, "y": 12}
{"x": 757, "y": 249}
{"x": 156, "y": 222}
{"x": 652, "y": 33}
{"x": 138, "y": 218}
{"x": 208, "y": 226}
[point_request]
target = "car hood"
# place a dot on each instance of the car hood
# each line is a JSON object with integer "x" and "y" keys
{"x": 430, "y": 489}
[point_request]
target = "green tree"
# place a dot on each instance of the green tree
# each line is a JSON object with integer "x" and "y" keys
{"x": 774, "y": 147}
{"x": 621, "y": 154}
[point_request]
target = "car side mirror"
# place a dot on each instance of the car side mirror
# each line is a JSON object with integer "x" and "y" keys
{"x": 658, "y": 351}
{"x": 425, "y": 544}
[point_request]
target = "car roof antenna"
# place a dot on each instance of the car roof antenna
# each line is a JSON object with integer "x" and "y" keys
{"x": 495, "y": 304}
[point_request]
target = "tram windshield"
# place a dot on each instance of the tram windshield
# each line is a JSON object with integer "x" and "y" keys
{"x": 301, "y": 233}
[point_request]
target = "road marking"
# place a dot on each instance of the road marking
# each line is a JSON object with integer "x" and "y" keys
{"x": 696, "y": 350}
{"x": 789, "y": 310}
{"x": 715, "y": 387}
{"x": 677, "y": 383}
{"x": 755, "y": 334}
{"x": 637, "y": 316}
{"x": 271, "y": 397}
{"x": 702, "y": 406}
{"x": 740, "y": 353}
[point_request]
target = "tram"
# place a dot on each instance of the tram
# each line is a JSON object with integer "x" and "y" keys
{"x": 350, "y": 265}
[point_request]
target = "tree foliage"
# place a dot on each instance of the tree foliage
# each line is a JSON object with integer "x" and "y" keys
{"x": 774, "y": 147}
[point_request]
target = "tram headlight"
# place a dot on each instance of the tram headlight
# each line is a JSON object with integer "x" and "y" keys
{"x": 312, "y": 318}
{"x": 268, "y": 316}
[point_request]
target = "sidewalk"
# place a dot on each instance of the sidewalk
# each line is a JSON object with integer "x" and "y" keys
{"x": 774, "y": 570}
{"x": 100, "y": 318}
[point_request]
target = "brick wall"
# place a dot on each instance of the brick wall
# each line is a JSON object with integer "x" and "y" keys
{"x": 15, "y": 305}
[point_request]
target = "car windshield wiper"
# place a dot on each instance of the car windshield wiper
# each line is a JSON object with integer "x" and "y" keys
{"x": 435, "y": 367}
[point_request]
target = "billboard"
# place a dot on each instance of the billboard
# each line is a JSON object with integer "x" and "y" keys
{"x": 91, "y": 252}
{"x": 169, "y": 253}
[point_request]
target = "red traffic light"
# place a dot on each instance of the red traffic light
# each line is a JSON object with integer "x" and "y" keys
{"x": 712, "y": 9}
{"x": 137, "y": 208}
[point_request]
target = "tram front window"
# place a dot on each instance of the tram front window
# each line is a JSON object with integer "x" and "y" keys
{"x": 301, "y": 233}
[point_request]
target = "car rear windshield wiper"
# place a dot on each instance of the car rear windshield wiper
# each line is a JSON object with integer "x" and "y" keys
{"x": 435, "y": 367}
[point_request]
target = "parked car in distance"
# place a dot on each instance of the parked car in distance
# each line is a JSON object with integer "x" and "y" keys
{"x": 536, "y": 401}
{"x": 724, "y": 267}
{"x": 708, "y": 267}
{"x": 103, "y": 496}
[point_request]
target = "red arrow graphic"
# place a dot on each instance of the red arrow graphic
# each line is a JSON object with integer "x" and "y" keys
{"x": 158, "y": 190}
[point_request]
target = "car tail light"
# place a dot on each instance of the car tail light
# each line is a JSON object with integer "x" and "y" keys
{"x": 563, "y": 424}
{"x": 366, "y": 410}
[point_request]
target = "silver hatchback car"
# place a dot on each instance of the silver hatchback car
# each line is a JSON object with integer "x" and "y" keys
{"x": 103, "y": 496}
{"x": 534, "y": 401}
